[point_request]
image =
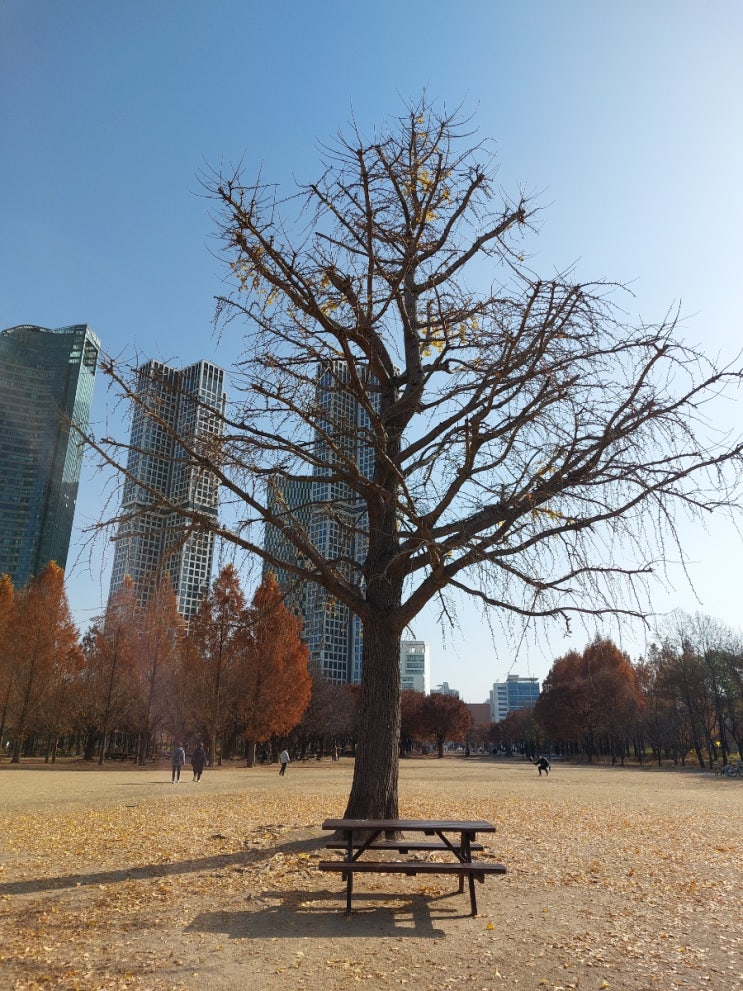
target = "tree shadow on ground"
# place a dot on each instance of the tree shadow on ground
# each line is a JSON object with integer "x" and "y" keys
{"x": 243, "y": 858}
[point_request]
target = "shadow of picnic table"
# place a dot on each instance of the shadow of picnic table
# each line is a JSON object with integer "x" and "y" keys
{"x": 287, "y": 915}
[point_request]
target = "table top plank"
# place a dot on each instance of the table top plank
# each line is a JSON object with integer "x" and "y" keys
{"x": 410, "y": 825}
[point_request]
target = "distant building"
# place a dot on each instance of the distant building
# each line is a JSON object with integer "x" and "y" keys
{"x": 513, "y": 693}
{"x": 480, "y": 712}
{"x": 153, "y": 541}
{"x": 414, "y": 666}
{"x": 46, "y": 382}
{"x": 443, "y": 689}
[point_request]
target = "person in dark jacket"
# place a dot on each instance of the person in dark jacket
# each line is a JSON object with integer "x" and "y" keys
{"x": 198, "y": 761}
{"x": 543, "y": 765}
{"x": 177, "y": 760}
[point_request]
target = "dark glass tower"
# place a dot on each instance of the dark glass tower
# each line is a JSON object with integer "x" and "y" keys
{"x": 46, "y": 383}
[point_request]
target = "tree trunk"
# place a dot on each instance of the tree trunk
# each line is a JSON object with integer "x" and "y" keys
{"x": 374, "y": 788}
{"x": 250, "y": 753}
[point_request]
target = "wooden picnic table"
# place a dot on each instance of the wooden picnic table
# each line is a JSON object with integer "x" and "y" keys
{"x": 457, "y": 837}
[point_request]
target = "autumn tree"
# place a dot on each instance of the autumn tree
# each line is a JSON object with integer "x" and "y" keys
{"x": 521, "y": 731}
{"x": 274, "y": 686}
{"x": 108, "y": 682}
{"x": 703, "y": 671}
{"x": 444, "y": 718}
{"x": 330, "y": 714}
{"x": 523, "y": 443}
{"x": 7, "y": 605}
{"x": 411, "y": 723}
{"x": 45, "y": 650}
{"x": 562, "y": 707}
{"x": 215, "y": 642}
{"x": 590, "y": 698}
{"x": 156, "y": 662}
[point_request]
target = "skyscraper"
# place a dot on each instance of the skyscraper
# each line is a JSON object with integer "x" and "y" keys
{"x": 154, "y": 541}
{"x": 46, "y": 384}
{"x": 326, "y": 508}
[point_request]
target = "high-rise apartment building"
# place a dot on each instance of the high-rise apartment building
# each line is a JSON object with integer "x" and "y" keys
{"x": 415, "y": 666}
{"x": 46, "y": 384}
{"x": 513, "y": 693}
{"x": 153, "y": 541}
{"x": 327, "y": 509}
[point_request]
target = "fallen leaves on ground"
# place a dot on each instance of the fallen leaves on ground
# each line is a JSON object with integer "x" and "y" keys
{"x": 630, "y": 887}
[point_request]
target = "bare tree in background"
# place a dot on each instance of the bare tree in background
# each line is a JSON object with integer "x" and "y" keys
{"x": 527, "y": 447}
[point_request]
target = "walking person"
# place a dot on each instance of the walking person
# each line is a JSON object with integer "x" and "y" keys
{"x": 198, "y": 761}
{"x": 177, "y": 760}
{"x": 283, "y": 760}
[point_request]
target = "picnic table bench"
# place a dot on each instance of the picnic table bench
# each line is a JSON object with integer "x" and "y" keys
{"x": 454, "y": 836}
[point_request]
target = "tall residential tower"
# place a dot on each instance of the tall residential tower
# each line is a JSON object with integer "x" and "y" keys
{"x": 325, "y": 508}
{"x": 46, "y": 384}
{"x": 153, "y": 540}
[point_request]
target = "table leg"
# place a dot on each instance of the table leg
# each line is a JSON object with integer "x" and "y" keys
{"x": 473, "y": 896}
{"x": 349, "y": 875}
{"x": 349, "y": 891}
{"x": 466, "y": 854}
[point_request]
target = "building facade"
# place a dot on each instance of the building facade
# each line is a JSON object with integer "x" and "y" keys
{"x": 46, "y": 384}
{"x": 444, "y": 689}
{"x": 415, "y": 666}
{"x": 153, "y": 541}
{"x": 512, "y": 694}
{"x": 328, "y": 512}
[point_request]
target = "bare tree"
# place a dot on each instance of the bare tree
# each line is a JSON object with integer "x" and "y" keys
{"x": 522, "y": 443}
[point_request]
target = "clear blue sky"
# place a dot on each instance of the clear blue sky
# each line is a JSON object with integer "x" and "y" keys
{"x": 623, "y": 117}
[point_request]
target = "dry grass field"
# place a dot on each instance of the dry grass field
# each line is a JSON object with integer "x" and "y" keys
{"x": 618, "y": 879}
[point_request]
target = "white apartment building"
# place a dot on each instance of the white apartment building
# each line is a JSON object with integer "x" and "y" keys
{"x": 415, "y": 666}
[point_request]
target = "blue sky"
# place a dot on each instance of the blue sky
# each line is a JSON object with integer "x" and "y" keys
{"x": 623, "y": 118}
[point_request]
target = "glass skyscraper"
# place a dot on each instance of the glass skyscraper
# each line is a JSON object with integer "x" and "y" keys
{"x": 46, "y": 384}
{"x": 153, "y": 540}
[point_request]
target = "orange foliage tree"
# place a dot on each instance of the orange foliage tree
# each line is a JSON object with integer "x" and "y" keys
{"x": 156, "y": 662}
{"x": 590, "y": 695}
{"x": 7, "y": 605}
{"x": 216, "y": 641}
{"x": 45, "y": 655}
{"x": 108, "y": 678}
{"x": 275, "y": 682}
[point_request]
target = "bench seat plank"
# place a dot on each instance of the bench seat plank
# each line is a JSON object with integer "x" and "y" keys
{"x": 401, "y": 845}
{"x": 410, "y": 867}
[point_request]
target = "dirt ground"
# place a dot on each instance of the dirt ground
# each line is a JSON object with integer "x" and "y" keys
{"x": 118, "y": 879}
